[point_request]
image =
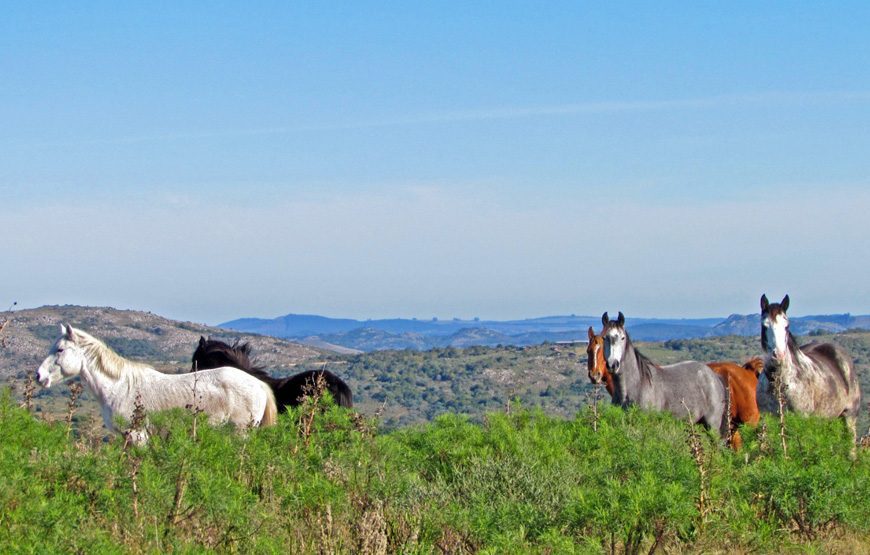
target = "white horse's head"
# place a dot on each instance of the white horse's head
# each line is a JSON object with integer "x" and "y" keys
{"x": 65, "y": 360}
{"x": 774, "y": 328}
{"x": 615, "y": 340}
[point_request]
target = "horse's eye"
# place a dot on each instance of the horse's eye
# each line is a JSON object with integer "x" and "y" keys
{"x": 60, "y": 350}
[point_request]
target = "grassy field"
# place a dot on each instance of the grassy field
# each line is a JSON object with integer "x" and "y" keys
{"x": 326, "y": 480}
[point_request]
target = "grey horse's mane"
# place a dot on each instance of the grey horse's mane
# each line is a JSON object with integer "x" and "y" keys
{"x": 644, "y": 363}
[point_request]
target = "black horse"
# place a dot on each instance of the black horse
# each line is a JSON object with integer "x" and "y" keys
{"x": 211, "y": 353}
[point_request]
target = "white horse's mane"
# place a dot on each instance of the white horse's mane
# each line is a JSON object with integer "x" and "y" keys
{"x": 104, "y": 359}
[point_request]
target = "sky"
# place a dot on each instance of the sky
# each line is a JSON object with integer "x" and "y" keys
{"x": 501, "y": 160}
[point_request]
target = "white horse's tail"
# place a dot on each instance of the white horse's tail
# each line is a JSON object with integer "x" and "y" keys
{"x": 270, "y": 415}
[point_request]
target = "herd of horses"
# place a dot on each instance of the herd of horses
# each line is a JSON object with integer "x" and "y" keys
{"x": 814, "y": 379}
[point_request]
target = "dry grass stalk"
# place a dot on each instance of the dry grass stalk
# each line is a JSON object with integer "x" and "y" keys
{"x": 195, "y": 406}
{"x": 312, "y": 394}
{"x": 763, "y": 443}
{"x": 696, "y": 447}
{"x": 3, "y": 325}
{"x": 135, "y": 464}
{"x": 372, "y": 530}
{"x": 729, "y": 433}
{"x": 327, "y": 542}
{"x": 75, "y": 390}
{"x": 29, "y": 390}
{"x": 595, "y": 414}
{"x": 136, "y": 431}
{"x": 176, "y": 515}
{"x": 780, "y": 388}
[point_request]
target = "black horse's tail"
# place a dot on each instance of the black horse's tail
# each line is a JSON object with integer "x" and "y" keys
{"x": 341, "y": 393}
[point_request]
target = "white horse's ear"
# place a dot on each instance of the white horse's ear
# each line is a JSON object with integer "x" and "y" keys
{"x": 604, "y": 319}
{"x": 621, "y": 319}
{"x": 784, "y": 303}
{"x": 764, "y": 303}
{"x": 68, "y": 332}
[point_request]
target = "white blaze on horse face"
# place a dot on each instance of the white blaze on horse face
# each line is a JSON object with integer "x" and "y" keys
{"x": 776, "y": 333}
{"x": 614, "y": 348}
{"x": 592, "y": 355}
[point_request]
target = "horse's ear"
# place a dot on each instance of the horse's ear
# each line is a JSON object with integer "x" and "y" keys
{"x": 784, "y": 303}
{"x": 67, "y": 331}
{"x": 604, "y": 319}
{"x": 591, "y": 333}
{"x": 764, "y": 303}
{"x": 202, "y": 341}
{"x": 621, "y": 319}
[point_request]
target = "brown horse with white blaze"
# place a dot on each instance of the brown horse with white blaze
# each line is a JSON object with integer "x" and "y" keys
{"x": 596, "y": 365}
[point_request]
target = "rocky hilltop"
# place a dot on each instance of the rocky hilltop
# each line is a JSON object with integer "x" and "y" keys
{"x": 165, "y": 344}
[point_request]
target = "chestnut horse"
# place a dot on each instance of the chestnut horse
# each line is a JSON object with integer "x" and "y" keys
{"x": 741, "y": 380}
{"x": 595, "y": 363}
{"x": 742, "y": 383}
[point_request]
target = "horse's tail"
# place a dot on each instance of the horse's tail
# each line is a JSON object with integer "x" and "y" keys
{"x": 728, "y": 410}
{"x": 270, "y": 414}
{"x": 341, "y": 392}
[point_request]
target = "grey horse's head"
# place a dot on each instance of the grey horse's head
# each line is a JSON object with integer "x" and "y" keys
{"x": 774, "y": 328}
{"x": 615, "y": 341}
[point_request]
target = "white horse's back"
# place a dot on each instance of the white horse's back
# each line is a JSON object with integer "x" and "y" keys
{"x": 225, "y": 394}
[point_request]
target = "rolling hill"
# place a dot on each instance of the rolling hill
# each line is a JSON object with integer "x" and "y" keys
{"x": 398, "y": 333}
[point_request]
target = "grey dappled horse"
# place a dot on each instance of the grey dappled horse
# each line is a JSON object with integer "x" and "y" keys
{"x": 685, "y": 389}
{"x": 818, "y": 378}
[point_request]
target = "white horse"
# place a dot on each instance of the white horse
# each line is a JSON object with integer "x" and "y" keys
{"x": 224, "y": 394}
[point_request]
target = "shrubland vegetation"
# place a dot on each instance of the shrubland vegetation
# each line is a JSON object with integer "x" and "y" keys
{"x": 483, "y": 449}
{"x": 416, "y": 386}
{"x": 327, "y": 480}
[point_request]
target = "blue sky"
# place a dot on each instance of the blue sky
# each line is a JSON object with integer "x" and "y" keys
{"x": 207, "y": 161}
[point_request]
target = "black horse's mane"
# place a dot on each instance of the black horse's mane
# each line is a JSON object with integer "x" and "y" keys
{"x": 237, "y": 355}
{"x": 212, "y": 353}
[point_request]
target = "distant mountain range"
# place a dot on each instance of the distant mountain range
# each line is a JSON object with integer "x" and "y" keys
{"x": 400, "y": 333}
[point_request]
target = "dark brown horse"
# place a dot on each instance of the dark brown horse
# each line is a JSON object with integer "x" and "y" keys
{"x": 211, "y": 353}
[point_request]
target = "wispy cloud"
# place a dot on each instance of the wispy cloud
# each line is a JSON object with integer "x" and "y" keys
{"x": 779, "y": 98}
